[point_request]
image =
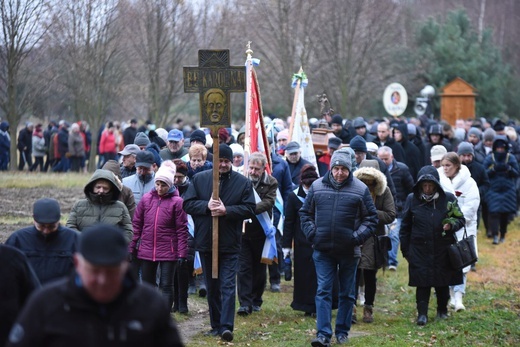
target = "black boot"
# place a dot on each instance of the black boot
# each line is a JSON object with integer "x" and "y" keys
{"x": 422, "y": 313}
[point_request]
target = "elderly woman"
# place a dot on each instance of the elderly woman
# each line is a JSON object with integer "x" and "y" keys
{"x": 425, "y": 238}
{"x": 375, "y": 180}
{"x": 198, "y": 163}
{"x": 456, "y": 179}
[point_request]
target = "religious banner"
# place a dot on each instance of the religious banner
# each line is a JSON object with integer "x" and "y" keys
{"x": 256, "y": 141}
{"x": 299, "y": 129}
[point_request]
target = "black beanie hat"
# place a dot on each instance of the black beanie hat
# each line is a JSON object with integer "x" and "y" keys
{"x": 225, "y": 152}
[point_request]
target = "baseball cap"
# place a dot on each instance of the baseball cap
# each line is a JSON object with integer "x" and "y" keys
{"x": 46, "y": 211}
{"x": 437, "y": 152}
{"x": 130, "y": 149}
{"x": 144, "y": 158}
{"x": 292, "y": 147}
{"x": 103, "y": 244}
{"x": 175, "y": 135}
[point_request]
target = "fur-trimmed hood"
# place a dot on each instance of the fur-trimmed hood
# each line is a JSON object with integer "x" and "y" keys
{"x": 367, "y": 174}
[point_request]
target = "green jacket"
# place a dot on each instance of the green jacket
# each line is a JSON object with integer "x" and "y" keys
{"x": 89, "y": 211}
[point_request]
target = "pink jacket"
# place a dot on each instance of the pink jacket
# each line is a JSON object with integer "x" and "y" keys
{"x": 162, "y": 226}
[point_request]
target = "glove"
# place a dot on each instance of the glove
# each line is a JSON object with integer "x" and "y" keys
{"x": 286, "y": 252}
{"x": 182, "y": 261}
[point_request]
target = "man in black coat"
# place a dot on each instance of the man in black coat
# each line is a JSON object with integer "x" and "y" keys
{"x": 384, "y": 139}
{"x": 25, "y": 146}
{"x": 412, "y": 155}
{"x": 48, "y": 245}
{"x": 101, "y": 304}
{"x": 294, "y": 159}
{"x": 130, "y": 132}
{"x": 478, "y": 172}
{"x": 404, "y": 183}
{"x": 235, "y": 204}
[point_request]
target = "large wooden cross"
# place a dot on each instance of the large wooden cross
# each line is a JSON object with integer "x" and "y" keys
{"x": 214, "y": 79}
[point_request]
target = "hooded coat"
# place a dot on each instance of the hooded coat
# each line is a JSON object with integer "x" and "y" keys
{"x": 424, "y": 243}
{"x": 105, "y": 209}
{"x": 412, "y": 154}
{"x": 385, "y": 207}
{"x": 503, "y": 172}
{"x": 127, "y": 196}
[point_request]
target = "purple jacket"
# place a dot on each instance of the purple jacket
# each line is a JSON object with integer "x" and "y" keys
{"x": 162, "y": 225}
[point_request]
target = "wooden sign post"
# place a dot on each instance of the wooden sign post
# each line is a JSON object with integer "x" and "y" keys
{"x": 214, "y": 79}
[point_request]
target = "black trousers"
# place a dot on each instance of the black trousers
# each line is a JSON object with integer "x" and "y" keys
{"x": 252, "y": 275}
{"x": 498, "y": 223}
{"x": 368, "y": 277}
{"x": 422, "y": 296}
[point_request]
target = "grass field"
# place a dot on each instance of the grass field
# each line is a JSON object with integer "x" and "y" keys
{"x": 492, "y": 317}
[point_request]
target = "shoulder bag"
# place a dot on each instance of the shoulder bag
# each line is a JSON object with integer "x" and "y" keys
{"x": 463, "y": 252}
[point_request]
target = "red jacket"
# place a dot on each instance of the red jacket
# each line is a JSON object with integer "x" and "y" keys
{"x": 107, "y": 144}
{"x": 162, "y": 226}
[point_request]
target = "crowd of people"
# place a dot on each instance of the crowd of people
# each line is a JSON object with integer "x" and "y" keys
{"x": 381, "y": 185}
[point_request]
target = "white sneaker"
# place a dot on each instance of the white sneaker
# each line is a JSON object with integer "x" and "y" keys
{"x": 392, "y": 268}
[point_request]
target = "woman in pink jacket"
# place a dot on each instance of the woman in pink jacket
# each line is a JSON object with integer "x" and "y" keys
{"x": 161, "y": 231}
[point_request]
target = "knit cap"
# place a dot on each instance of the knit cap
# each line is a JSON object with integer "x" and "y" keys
{"x": 475, "y": 131}
{"x": 336, "y": 119}
{"x": 465, "y": 148}
{"x": 141, "y": 139}
{"x": 489, "y": 134}
{"x": 237, "y": 149}
{"x": 166, "y": 173}
{"x": 198, "y": 135}
{"x": 341, "y": 157}
{"x": 358, "y": 143}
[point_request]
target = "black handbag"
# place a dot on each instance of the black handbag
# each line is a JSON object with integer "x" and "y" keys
{"x": 463, "y": 252}
{"x": 382, "y": 244}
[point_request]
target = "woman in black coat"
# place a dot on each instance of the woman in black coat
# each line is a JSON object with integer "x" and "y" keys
{"x": 305, "y": 282}
{"x": 425, "y": 238}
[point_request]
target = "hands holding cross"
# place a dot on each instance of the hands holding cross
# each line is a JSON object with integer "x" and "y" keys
{"x": 216, "y": 207}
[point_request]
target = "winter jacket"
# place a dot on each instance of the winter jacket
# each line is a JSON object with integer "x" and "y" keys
{"x": 18, "y": 282}
{"x": 468, "y": 197}
{"x": 38, "y": 146}
{"x": 424, "y": 243}
{"x": 106, "y": 209}
{"x": 76, "y": 144}
{"x": 403, "y": 182}
{"x": 107, "y": 143}
{"x": 385, "y": 207}
{"x": 479, "y": 174}
{"x": 62, "y": 142}
{"x": 62, "y": 314}
{"x": 126, "y": 197}
{"x": 397, "y": 150}
{"x": 138, "y": 187}
{"x": 480, "y": 152}
{"x": 338, "y": 220}
{"x": 412, "y": 154}
{"x": 50, "y": 256}
{"x": 162, "y": 227}
{"x": 266, "y": 190}
{"x": 236, "y": 192}
{"x": 503, "y": 171}
{"x": 25, "y": 140}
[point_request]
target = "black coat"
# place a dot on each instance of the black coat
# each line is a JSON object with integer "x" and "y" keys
{"x": 25, "y": 140}
{"x": 403, "y": 182}
{"x": 236, "y": 192}
{"x": 424, "y": 243}
{"x": 51, "y": 256}
{"x": 18, "y": 281}
{"x": 62, "y": 314}
{"x": 296, "y": 169}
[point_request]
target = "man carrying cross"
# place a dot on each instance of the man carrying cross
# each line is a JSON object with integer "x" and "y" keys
{"x": 236, "y": 203}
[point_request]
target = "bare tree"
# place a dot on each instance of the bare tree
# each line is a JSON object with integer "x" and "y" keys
{"x": 161, "y": 33}
{"x": 22, "y": 27}
{"x": 85, "y": 42}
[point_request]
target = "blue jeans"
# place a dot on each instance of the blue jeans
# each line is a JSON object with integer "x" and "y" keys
{"x": 327, "y": 266}
{"x": 221, "y": 292}
{"x": 394, "y": 238}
